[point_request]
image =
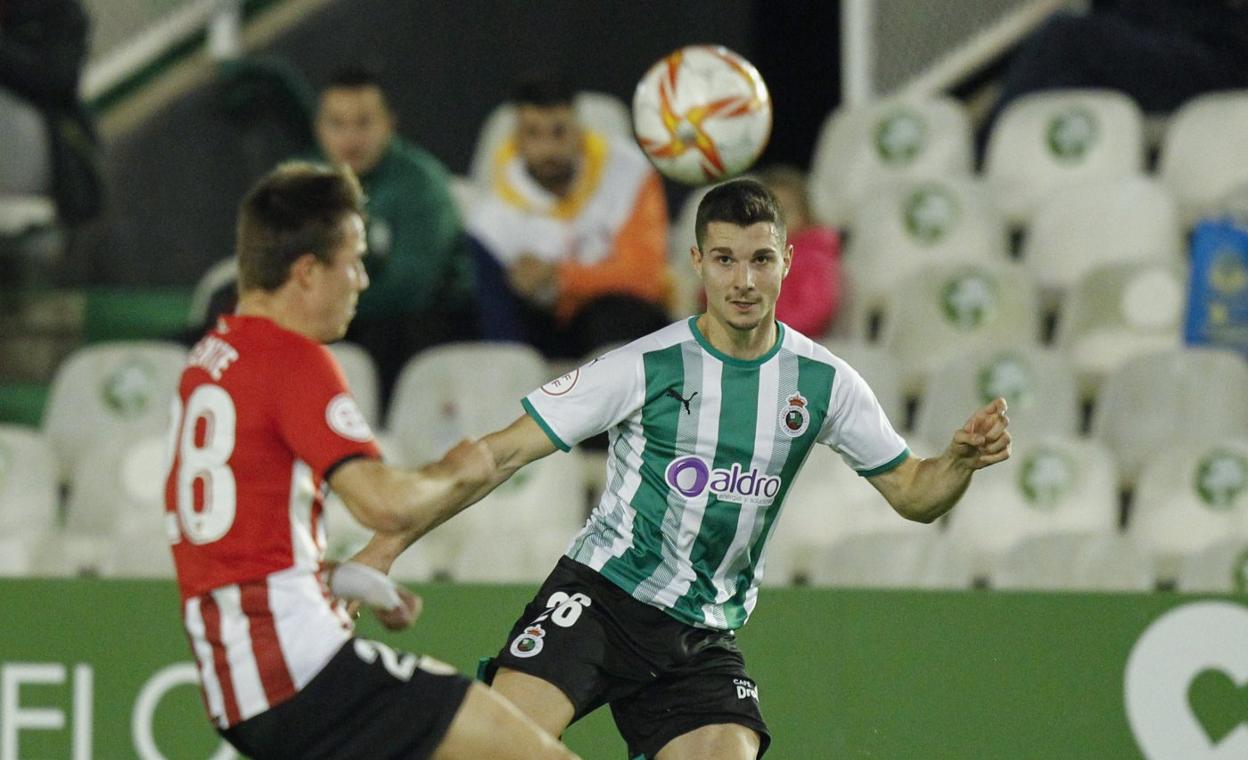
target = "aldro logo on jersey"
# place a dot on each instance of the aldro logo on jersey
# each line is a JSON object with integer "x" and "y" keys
{"x": 693, "y": 476}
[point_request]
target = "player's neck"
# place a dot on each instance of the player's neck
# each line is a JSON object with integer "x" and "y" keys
{"x": 273, "y": 307}
{"x": 739, "y": 344}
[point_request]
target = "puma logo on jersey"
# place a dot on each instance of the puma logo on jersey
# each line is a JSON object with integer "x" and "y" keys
{"x": 673, "y": 393}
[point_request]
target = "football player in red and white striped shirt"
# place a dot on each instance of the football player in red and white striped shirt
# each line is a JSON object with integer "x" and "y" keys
{"x": 263, "y": 426}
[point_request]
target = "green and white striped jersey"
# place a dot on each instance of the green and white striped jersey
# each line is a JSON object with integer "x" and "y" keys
{"x": 703, "y": 449}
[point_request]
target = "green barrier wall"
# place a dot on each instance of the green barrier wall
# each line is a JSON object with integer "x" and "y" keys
{"x": 100, "y": 668}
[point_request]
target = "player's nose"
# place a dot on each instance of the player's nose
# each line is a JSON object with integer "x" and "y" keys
{"x": 743, "y": 277}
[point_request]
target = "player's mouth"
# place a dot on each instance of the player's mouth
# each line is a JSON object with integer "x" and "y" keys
{"x": 743, "y": 306}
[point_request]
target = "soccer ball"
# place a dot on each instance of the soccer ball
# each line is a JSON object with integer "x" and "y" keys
{"x": 702, "y": 114}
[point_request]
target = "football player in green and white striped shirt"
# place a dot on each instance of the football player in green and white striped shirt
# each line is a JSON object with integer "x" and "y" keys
{"x": 710, "y": 420}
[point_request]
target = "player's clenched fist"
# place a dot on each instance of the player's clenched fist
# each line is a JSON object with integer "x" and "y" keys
{"x": 985, "y": 438}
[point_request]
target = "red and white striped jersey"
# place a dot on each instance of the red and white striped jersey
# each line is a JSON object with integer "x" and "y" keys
{"x": 261, "y": 418}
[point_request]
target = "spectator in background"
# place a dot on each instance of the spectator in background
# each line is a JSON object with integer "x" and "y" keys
{"x": 812, "y": 292}
{"x": 43, "y": 45}
{"x": 571, "y": 235}
{"x": 1160, "y": 52}
{"x": 419, "y": 262}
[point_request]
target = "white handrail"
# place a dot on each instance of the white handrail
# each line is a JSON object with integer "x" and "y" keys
{"x": 857, "y": 46}
{"x": 222, "y": 18}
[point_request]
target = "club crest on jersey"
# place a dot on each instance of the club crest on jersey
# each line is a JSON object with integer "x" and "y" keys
{"x": 529, "y": 643}
{"x": 795, "y": 417}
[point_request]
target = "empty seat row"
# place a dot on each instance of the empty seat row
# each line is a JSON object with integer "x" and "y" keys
{"x": 1043, "y": 145}
{"x": 1012, "y": 517}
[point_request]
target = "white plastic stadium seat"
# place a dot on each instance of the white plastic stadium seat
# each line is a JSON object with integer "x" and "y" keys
{"x": 1046, "y": 142}
{"x": 881, "y": 371}
{"x": 111, "y": 392}
{"x": 1170, "y": 402}
{"x": 861, "y": 149}
{"x": 1205, "y": 152}
{"x": 361, "y": 373}
{"x": 1218, "y": 568}
{"x": 1048, "y": 485}
{"x": 1074, "y": 562}
{"x": 218, "y": 276}
{"x": 513, "y": 535}
{"x": 598, "y": 111}
{"x": 1036, "y": 383}
{"x": 1189, "y": 498}
{"x": 1118, "y": 311}
{"x": 457, "y": 390}
{"x": 25, "y": 167}
{"x": 1097, "y": 223}
{"x": 927, "y": 560}
{"x": 118, "y": 486}
{"x": 946, "y": 309}
{"x": 828, "y": 503}
{"x": 69, "y": 554}
{"x": 907, "y": 225}
{"x": 28, "y": 496}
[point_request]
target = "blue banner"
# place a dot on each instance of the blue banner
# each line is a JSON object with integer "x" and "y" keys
{"x": 1217, "y": 313}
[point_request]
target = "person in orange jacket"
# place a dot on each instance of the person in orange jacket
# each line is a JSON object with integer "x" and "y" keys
{"x": 571, "y": 237}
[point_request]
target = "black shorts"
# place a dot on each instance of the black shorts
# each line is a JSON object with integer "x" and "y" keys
{"x": 598, "y": 645}
{"x": 367, "y": 702}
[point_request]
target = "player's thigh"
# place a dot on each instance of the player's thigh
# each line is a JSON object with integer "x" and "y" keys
{"x": 487, "y": 725}
{"x": 539, "y": 699}
{"x": 720, "y": 741}
{"x": 706, "y": 708}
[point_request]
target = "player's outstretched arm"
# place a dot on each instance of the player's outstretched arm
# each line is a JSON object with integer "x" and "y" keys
{"x": 924, "y": 489}
{"x": 391, "y": 500}
{"x": 432, "y": 494}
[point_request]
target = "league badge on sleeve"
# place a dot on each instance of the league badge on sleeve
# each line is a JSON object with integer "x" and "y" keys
{"x": 345, "y": 418}
{"x": 562, "y": 384}
{"x": 795, "y": 417}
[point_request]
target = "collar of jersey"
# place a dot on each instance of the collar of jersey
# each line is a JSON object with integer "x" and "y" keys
{"x": 734, "y": 361}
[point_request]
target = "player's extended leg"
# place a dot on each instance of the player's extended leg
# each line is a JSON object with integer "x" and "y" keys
{"x": 486, "y": 725}
{"x": 543, "y": 702}
{"x": 721, "y": 741}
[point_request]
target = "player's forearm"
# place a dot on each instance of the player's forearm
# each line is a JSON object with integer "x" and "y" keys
{"x": 429, "y": 497}
{"x": 934, "y": 488}
{"x": 432, "y": 495}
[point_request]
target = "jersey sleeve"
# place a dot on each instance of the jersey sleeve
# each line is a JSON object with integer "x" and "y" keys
{"x": 317, "y": 416}
{"x": 589, "y": 399}
{"x": 857, "y": 428}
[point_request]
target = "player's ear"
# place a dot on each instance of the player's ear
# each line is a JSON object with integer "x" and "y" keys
{"x": 303, "y": 269}
{"x": 787, "y": 257}
{"x": 695, "y": 256}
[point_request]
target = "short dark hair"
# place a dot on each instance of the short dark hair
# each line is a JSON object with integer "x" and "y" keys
{"x": 742, "y": 202}
{"x": 544, "y": 89}
{"x": 295, "y": 209}
{"x": 353, "y": 77}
